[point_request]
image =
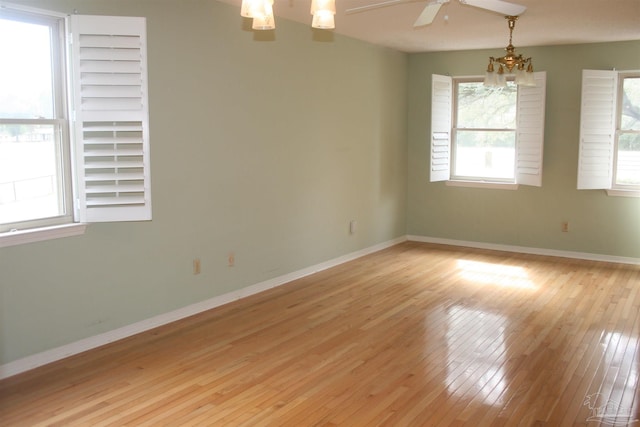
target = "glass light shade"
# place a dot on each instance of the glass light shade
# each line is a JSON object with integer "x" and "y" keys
{"x": 264, "y": 22}
{"x": 520, "y": 76}
{"x": 323, "y": 5}
{"x": 501, "y": 79}
{"x": 247, "y": 8}
{"x": 262, "y": 12}
{"x": 323, "y": 20}
{"x": 528, "y": 79}
{"x": 490, "y": 79}
{"x": 253, "y": 8}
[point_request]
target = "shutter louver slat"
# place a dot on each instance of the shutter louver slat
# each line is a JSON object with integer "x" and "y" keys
{"x": 113, "y": 91}
{"x": 122, "y": 188}
{"x": 111, "y": 104}
{"x": 126, "y": 67}
{"x": 113, "y": 127}
{"x": 111, "y": 54}
{"x": 121, "y": 176}
{"x": 109, "y": 79}
{"x": 112, "y": 118}
{"x": 115, "y": 201}
{"x": 114, "y": 41}
{"x": 121, "y": 141}
{"x": 597, "y": 129}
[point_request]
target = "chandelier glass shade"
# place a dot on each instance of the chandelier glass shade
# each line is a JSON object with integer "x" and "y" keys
{"x": 323, "y": 12}
{"x": 261, "y": 11}
{"x": 510, "y": 63}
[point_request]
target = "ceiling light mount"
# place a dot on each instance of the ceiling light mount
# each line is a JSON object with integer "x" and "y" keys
{"x": 523, "y": 66}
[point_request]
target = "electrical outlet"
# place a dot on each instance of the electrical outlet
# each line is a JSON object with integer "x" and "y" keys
{"x": 231, "y": 259}
{"x": 353, "y": 226}
{"x": 565, "y": 227}
{"x": 196, "y": 266}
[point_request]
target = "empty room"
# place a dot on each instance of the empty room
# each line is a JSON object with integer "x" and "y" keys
{"x": 320, "y": 213}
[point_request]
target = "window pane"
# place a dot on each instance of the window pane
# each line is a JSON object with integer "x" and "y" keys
{"x": 628, "y": 172}
{"x": 484, "y": 107}
{"x": 30, "y": 178}
{"x": 26, "y": 87}
{"x": 631, "y": 104}
{"x": 486, "y": 154}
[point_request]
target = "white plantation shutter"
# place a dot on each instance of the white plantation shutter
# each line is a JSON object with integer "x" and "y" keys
{"x": 597, "y": 129}
{"x": 441, "y": 108}
{"x": 111, "y": 119}
{"x": 530, "y": 131}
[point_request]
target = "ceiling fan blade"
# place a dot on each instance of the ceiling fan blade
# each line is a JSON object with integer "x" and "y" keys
{"x": 428, "y": 14}
{"x": 375, "y": 6}
{"x": 499, "y": 6}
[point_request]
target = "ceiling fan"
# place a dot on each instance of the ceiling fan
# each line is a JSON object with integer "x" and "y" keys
{"x": 432, "y": 8}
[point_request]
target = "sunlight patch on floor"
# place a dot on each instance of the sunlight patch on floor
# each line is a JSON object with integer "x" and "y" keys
{"x": 488, "y": 273}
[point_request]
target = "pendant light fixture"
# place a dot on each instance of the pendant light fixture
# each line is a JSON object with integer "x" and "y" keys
{"x": 506, "y": 64}
{"x": 261, "y": 11}
{"x": 323, "y": 12}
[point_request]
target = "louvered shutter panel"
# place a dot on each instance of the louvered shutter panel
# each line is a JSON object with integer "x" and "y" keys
{"x": 441, "y": 107}
{"x": 111, "y": 120}
{"x": 530, "y": 131}
{"x": 597, "y": 129}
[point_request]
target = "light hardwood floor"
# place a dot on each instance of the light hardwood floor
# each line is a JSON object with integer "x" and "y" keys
{"x": 414, "y": 335}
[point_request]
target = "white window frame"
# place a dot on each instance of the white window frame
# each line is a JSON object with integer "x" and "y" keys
{"x": 59, "y": 121}
{"x": 529, "y": 134}
{"x": 106, "y": 84}
{"x": 454, "y": 137}
{"x": 599, "y": 127}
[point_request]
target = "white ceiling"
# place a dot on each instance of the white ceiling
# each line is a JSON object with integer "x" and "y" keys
{"x": 459, "y": 27}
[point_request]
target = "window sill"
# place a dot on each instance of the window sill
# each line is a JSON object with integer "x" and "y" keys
{"x": 623, "y": 193}
{"x": 483, "y": 184}
{"x": 20, "y": 237}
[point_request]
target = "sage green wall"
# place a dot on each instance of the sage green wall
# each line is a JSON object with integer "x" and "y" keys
{"x": 265, "y": 148}
{"x": 530, "y": 216}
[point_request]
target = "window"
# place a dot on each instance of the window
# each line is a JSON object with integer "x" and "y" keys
{"x": 34, "y": 149}
{"x": 610, "y": 132}
{"x": 74, "y": 135}
{"x": 487, "y": 135}
{"x": 484, "y": 131}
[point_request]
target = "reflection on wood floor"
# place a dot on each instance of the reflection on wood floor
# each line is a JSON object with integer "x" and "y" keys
{"x": 414, "y": 335}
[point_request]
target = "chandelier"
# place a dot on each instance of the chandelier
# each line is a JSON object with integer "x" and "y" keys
{"x": 523, "y": 66}
{"x": 261, "y": 11}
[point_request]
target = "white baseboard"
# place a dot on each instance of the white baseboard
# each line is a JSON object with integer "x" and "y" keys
{"x": 526, "y": 250}
{"x": 59, "y": 353}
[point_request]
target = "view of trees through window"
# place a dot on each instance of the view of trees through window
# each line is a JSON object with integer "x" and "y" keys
{"x": 485, "y": 131}
{"x": 30, "y": 170}
{"x": 628, "y": 159}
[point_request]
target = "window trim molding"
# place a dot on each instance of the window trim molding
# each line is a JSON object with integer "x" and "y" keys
{"x": 20, "y": 237}
{"x": 493, "y": 185}
{"x": 616, "y": 192}
{"x": 8, "y": 6}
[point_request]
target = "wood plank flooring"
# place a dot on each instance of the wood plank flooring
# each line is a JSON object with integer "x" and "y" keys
{"x": 414, "y": 335}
